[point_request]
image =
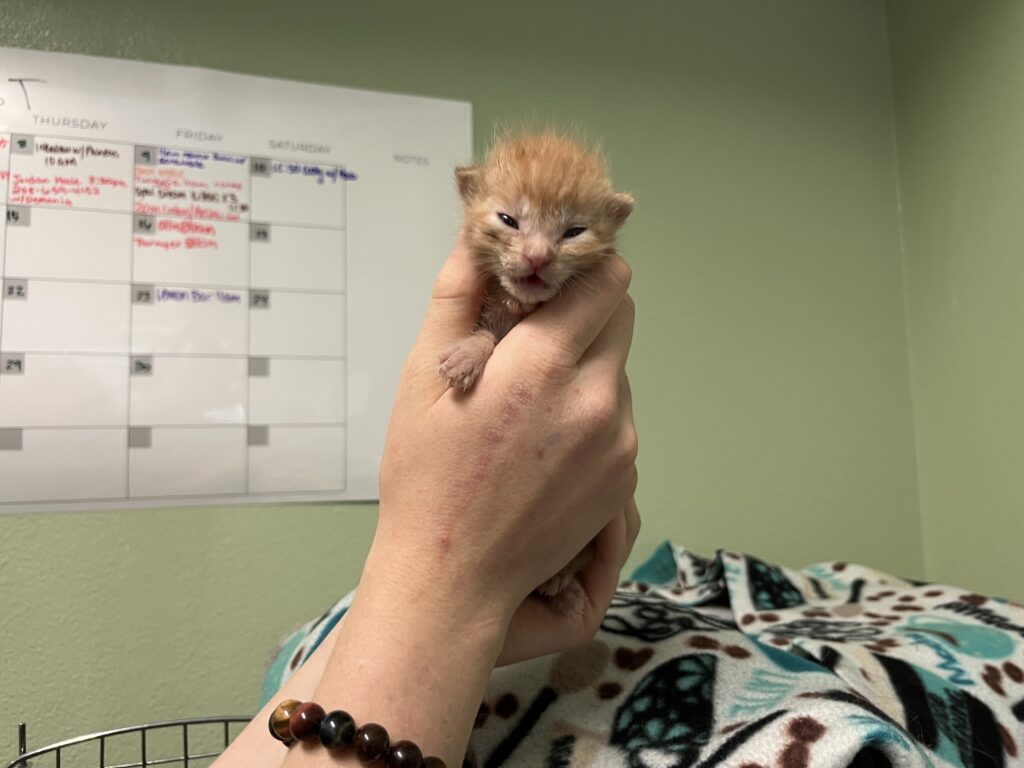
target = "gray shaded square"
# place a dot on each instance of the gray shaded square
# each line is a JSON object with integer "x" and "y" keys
{"x": 259, "y": 298}
{"x": 145, "y": 155}
{"x": 259, "y": 435}
{"x": 10, "y": 439}
{"x": 22, "y": 144}
{"x": 261, "y": 166}
{"x": 12, "y": 364}
{"x": 140, "y": 437}
{"x": 15, "y": 288}
{"x": 259, "y": 233}
{"x": 19, "y": 216}
{"x": 142, "y": 294}
{"x": 142, "y": 365}
{"x": 145, "y": 225}
{"x": 259, "y": 366}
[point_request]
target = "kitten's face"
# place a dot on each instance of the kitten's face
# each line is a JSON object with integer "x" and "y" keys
{"x": 539, "y": 212}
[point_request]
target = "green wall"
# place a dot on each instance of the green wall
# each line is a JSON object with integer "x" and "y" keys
{"x": 959, "y": 78}
{"x": 769, "y": 368}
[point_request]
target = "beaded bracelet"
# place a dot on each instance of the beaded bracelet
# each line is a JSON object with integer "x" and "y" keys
{"x": 294, "y": 720}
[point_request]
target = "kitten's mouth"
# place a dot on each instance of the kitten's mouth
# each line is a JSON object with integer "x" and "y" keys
{"x": 530, "y": 281}
{"x": 530, "y": 289}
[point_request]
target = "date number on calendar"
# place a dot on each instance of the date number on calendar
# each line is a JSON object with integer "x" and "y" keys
{"x": 15, "y": 289}
{"x": 12, "y": 364}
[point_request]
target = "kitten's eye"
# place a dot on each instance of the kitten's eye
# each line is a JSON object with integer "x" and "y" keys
{"x": 572, "y": 232}
{"x": 508, "y": 221}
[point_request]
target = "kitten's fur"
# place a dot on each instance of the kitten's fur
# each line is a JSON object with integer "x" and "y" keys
{"x": 520, "y": 205}
{"x": 539, "y": 212}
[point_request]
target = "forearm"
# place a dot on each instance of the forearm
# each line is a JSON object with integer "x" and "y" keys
{"x": 254, "y": 748}
{"x": 410, "y": 655}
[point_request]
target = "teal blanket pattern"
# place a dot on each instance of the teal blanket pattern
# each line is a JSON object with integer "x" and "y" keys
{"x": 731, "y": 661}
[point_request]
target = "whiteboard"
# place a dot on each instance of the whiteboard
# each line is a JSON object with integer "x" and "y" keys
{"x": 210, "y": 280}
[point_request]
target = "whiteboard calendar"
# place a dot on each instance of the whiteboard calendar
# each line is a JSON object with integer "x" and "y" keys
{"x": 209, "y": 280}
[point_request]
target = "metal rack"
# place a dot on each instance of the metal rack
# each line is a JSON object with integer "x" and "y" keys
{"x": 52, "y": 754}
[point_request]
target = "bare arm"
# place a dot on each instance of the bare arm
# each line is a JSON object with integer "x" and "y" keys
{"x": 483, "y": 497}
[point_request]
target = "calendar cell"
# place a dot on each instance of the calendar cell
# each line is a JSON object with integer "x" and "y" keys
{"x": 298, "y": 459}
{"x": 298, "y": 392}
{"x": 65, "y": 390}
{"x": 192, "y": 184}
{"x": 305, "y": 194}
{"x": 189, "y": 390}
{"x": 85, "y": 245}
{"x": 189, "y": 461}
{"x": 194, "y": 252}
{"x": 91, "y": 464}
{"x": 306, "y": 324}
{"x": 70, "y": 173}
{"x": 302, "y": 258}
{"x": 57, "y": 316}
{"x": 5, "y": 167}
{"x": 182, "y": 320}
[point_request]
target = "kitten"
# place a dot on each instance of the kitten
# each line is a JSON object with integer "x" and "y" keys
{"x": 539, "y": 212}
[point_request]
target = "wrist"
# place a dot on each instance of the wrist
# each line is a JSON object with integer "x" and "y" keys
{"x": 453, "y": 579}
{"x": 396, "y": 590}
{"x": 411, "y": 658}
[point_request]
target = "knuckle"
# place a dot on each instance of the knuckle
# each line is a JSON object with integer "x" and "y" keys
{"x": 631, "y": 445}
{"x": 620, "y": 273}
{"x": 551, "y": 365}
{"x": 634, "y": 480}
{"x": 601, "y": 413}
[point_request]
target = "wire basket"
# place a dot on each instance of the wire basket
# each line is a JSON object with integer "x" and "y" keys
{"x": 191, "y": 743}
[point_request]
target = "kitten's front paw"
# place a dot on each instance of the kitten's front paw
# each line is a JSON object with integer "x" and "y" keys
{"x": 461, "y": 365}
{"x": 557, "y": 583}
{"x": 565, "y": 595}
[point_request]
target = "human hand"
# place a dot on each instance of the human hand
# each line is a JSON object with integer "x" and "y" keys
{"x": 484, "y": 496}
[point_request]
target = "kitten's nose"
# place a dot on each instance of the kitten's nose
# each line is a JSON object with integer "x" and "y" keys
{"x": 537, "y": 259}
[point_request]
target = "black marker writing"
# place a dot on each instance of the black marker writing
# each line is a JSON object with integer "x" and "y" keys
{"x": 24, "y": 89}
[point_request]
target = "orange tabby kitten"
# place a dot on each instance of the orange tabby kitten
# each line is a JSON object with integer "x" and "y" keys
{"x": 539, "y": 212}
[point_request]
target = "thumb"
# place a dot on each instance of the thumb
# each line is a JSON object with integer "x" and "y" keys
{"x": 452, "y": 313}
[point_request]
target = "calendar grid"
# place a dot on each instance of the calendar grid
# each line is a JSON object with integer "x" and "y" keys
{"x": 177, "y": 217}
{"x": 177, "y": 284}
{"x": 248, "y": 334}
{"x": 216, "y": 496}
{"x": 211, "y": 425}
{"x": 276, "y": 363}
{"x": 131, "y": 318}
{"x": 5, "y": 144}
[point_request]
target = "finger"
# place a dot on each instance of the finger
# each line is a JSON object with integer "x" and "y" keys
{"x": 455, "y": 299}
{"x": 632, "y": 525}
{"x": 610, "y": 348}
{"x": 451, "y": 315}
{"x": 601, "y": 577}
{"x": 569, "y": 324}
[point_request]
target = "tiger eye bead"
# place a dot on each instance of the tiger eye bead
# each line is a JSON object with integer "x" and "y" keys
{"x": 404, "y": 754}
{"x": 337, "y": 730}
{"x": 305, "y": 721}
{"x": 372, "y": 742}
{"x": 280, "y": 727}
{"x": 434, "y": 762}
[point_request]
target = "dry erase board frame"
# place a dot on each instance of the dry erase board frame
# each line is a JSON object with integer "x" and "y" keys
{"x": 210, "y": 280}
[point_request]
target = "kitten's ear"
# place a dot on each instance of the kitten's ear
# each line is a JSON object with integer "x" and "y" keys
{"x": 620, "y": 206}
{"x": 470, "y": 179}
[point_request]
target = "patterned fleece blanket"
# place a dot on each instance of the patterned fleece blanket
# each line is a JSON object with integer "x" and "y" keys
{"x": 730, "y": 661}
